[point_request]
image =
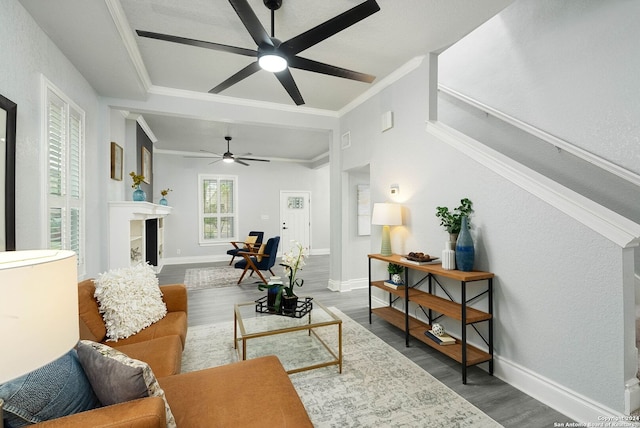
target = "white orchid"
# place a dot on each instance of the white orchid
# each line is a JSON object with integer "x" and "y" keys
{"x": 293, "y": 261}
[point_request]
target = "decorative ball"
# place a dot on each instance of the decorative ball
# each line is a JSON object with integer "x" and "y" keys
{"x": 437, "y": 329}
{"x": 397, "y": 279}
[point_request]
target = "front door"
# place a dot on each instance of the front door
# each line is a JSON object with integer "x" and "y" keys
{"x": 295, "y": 219}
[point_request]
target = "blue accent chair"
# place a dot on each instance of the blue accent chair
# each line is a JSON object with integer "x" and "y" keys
{"x": 256, "y": 261}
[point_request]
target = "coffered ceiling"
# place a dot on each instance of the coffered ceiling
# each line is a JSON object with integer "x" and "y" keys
{"x": 99, "y": 38}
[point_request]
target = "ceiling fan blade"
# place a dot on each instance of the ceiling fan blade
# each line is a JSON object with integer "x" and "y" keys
{"x": 198, "y": 43}
{"x": 252, "y": 159}
{"x": 215, "y": 161}
{"x": 289, "y": 84}
{"x": 242, "y": 74}
{"x": 212, "y": 153}
{"x": 236, "y": 160}
{"x": 251, "y": 22}
{"x": 329, "y": 28}
{"x": 331, "y": 70}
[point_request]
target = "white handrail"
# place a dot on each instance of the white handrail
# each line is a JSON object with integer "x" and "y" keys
{"x": 559, "y": 143}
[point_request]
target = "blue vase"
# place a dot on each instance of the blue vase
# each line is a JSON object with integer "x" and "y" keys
{"x": 465, "y": 252}
{"x": 163, "y": 201}
{"x": 139, "y": 195}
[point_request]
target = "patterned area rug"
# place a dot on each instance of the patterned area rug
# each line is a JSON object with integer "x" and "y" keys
{"x": 211, "y": 277}
{"x": 378, "y": 387}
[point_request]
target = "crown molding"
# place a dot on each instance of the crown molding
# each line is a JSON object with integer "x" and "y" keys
{"x": 398, "y": 74}
{"x": 129, "y": 41}
{"x": 128, "y": 38}
{"x": 223, "y": 99}
{"x": 208, "y": 156}
{"x": 143, "y": 124}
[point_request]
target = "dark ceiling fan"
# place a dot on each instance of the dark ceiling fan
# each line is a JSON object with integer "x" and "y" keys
{"x": 276, "y": 56}
{"x": 229, "y": 157}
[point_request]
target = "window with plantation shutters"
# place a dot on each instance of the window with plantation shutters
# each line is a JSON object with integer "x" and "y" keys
{"x": 218, "y": 208}
{"x": 65, "y": 195}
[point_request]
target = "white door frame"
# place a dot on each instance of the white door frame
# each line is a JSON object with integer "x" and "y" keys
{"x": 284, "y": 245}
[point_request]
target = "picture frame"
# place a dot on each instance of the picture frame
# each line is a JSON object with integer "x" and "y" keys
{"x": 116, "y": 161}
{"x": 146, "y": 165}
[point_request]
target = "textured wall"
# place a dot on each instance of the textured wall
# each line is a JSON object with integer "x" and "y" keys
{"x": 28, "y": 54}
{"x": 569, "y": 68}
{"x": 559, "y": 285}
{"x": 564, "y": 67}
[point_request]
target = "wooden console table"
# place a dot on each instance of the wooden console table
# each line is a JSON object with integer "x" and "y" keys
{"x": 437, "y": 307}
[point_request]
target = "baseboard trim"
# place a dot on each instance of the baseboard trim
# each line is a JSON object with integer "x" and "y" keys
{"x": 568, "y": 402}
{"x": 221, "y": 258}
{"x": 319, "y": 251}
{"x": 351, "y": 284}
{"x": 195, "y": 259}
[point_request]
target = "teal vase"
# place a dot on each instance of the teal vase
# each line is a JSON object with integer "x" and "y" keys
{"x": 139, "y": 195}
{"x": 465, "y": 253}
{"x": 163, "y": 201}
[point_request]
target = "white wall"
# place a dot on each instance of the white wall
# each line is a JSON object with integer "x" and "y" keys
{"x": 559, "y": 286}
{"x": 565, "y": 67}
{"x": 118, "y": 134}
{"x": 28, "y": 54}
{"x": 259, "y": 188}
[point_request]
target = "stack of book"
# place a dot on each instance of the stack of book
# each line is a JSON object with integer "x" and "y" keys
{"x": 443, "y": 339}
{"x": 393, "y": 285}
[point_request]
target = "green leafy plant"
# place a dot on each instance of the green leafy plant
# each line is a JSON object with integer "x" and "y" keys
{"x": 165, "y": 192}
{"x": 393, "y": 268}
{"x": 451, "y": 220}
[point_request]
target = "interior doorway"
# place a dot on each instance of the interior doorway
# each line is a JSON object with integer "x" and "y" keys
{"x": 295, "y": 219}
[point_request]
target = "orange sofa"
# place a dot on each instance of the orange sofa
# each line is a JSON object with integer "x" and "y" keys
{"x": 252, "y": 393}
{"x": 248, "y": 394}
{"x": 160, "y": 345}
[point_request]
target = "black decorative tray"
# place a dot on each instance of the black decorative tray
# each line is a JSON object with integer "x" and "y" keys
{"x": 303, "y": 307}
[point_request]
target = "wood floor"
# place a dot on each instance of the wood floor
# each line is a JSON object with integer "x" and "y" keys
{"x": 505, "y": 404}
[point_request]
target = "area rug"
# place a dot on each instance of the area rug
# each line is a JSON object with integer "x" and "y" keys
{"x": 211, "y": 277}
{"x": 379, "y": 387}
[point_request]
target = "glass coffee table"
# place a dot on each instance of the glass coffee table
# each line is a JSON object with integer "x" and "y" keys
{"x": 309, "y": 342}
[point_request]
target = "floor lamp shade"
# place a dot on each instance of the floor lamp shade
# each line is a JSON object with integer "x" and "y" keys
{"x": 385, "y": 215}
{"x": 38, "y": 309}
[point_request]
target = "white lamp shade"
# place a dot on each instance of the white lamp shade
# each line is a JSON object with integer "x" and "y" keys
{"x": 38, "y": 309}
{"x": 385, "y": 214}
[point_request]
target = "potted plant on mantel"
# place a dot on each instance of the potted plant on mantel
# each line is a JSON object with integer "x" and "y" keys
{"x": 138, "y": 194}
{"x": 451, "y": 220}
{"x": 285, "y": 299}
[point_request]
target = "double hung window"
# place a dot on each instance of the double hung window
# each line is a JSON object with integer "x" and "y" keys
{"x": 218, "y": 208}
{"x": 64, "y": 140}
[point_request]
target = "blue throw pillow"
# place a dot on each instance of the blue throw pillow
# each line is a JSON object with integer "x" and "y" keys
{"x": 58, "y": 389}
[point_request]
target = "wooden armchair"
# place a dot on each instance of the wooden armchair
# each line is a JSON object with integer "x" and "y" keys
{"x": 261, "y": 260}
{"x": 250, "y": 244}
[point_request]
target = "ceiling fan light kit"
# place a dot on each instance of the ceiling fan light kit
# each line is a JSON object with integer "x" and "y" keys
{"x": 278, "y": 57}
{"x": 273, "y": 63}
{"x": 229, "y": 157}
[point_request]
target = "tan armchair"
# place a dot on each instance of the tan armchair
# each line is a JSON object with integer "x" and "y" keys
{"x": 252, "y": 244}
{"x": 262, "y": 260}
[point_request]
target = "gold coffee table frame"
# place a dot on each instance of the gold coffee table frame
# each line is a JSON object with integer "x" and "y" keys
{"x": 270, "y": 330}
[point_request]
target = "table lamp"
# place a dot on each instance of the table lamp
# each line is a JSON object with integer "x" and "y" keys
{"x": 385, "y": 215}
{"x": 38, "y": 310}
